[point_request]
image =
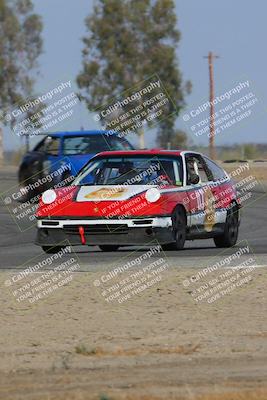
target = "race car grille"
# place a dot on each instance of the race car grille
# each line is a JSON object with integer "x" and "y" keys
{"x": 101, "y": 229}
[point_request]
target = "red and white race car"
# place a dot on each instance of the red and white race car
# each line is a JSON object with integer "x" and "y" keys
{"x": 123, "y": 198}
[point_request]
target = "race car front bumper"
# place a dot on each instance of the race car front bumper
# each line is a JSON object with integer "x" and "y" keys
{"x": 138, "y": 231}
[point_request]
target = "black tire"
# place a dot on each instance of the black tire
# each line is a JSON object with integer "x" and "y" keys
{"x": 108, "y": 247}
{"x": 168, "y": 247}
{"x": 179, "y": 230}
{"x": 52, "y": 250}
{"x": 230, "y": 234}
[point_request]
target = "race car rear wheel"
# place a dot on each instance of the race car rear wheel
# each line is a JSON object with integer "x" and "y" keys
{"x": 230, "y": 234}
{"x": 52, "y": 250}
{"x": 179, "y": 230}
{"x": 108, "y": 247}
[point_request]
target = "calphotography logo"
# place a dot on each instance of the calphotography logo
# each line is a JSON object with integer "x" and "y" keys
{"x": 42, "y": 277}
{"x": 22, "y": 201}
{"x": 145, "y": 104}
{"x": 43, "y": 113}
{"x": 132, "y": 276}
{"x": 223, "y": 277}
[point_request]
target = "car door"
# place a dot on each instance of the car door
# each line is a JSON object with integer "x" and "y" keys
{"x": 32, "y": 164}
{"x": 202, "y": 202}
{"x": 34, "y": 160}
{"x": 220, "y": 187}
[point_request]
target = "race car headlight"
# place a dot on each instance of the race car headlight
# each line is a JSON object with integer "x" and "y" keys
{"x": 152, "y": 195}
{"x": 49, "y": 196}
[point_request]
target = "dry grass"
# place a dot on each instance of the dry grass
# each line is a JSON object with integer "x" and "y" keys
{"x": 258, "y": 170}
{"x": 82, "y": 349}
{"x": 100, "y": 352}
{"x": 244, "y": 395}
{"x": 260, "y": 394}
{"x": 150, "y": 352}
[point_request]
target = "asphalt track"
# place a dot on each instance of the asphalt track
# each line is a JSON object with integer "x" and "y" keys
{"x": 17, "y": 247}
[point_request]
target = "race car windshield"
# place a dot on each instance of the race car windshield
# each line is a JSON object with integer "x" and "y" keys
{"x": 132, "y": 171}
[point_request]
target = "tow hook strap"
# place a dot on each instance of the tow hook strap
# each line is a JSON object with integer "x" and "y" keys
{"x": 81, "y": 232}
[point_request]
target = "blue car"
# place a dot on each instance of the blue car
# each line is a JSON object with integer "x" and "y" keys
{"x": 61, "y": 155}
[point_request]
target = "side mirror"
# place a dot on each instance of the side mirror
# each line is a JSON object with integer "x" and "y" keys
{"x": 194, "y": 179}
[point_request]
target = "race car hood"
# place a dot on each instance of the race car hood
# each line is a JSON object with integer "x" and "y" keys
{"x": 110, "y": 193}
{"x": 101, "y": 201}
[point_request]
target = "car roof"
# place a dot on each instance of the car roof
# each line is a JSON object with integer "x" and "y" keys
{"x": 79, "y": 133}
{"x": 150, "y": 152}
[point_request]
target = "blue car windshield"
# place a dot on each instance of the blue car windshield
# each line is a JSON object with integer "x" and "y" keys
{"x": 75, "y": 145}
{"x": 132, "y": 170}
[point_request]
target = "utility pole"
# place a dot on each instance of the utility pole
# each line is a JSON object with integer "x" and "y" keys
{"x": 212, "y": 150}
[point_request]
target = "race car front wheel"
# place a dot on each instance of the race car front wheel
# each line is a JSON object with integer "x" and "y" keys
{"x": 179, "y": 230}
{"x": 108, "y": 247}
{"x": 230, "y": 234}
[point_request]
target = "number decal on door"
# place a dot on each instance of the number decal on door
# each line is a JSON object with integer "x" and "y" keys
{"x": 209, "y": 205}
{"x": 200, "y": 200}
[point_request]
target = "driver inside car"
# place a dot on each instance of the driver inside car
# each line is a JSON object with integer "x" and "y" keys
{"x": 126, "y": 173}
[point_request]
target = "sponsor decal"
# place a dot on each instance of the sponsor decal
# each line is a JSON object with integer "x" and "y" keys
{"x": 209, "y": 219}
{"x": 112, "y": 192}
{"x": 105, "y": 193}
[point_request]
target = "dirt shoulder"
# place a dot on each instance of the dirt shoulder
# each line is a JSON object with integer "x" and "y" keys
{"x": 161, "y": 344}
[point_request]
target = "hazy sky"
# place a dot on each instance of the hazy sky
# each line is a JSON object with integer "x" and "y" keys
{"x": 235, "y": 30}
